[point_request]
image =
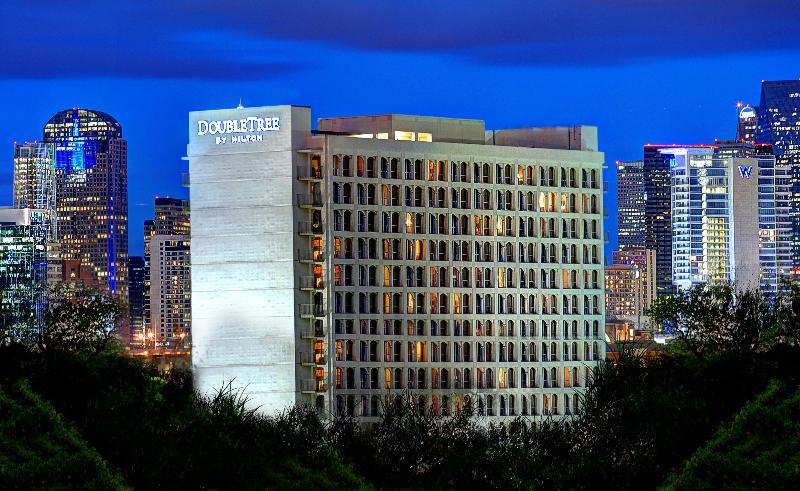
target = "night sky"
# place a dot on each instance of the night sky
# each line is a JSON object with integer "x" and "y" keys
{"x": 644, "y": 71}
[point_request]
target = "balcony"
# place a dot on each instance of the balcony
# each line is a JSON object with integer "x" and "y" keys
{"x": 312, "y": 310}
{"x": 309, "y": 228}
{"x": 311, "y": 359}
{"x": 312, "y": 333}
{"x": 309, "y": 256}
{"x": 311, "y": 283}
{"x": 313, "y": 385}
{"x": 305, "y": 200}
{"x": 306, "y": 174}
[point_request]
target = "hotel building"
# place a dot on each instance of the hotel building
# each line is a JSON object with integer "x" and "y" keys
{"x": 730, "y": 205}
{"x": 390, "y": 255}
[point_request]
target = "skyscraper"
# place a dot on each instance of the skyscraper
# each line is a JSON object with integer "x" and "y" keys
{"x": 727, "y": 217}
{"x": 394, "y": 256}
{"x": 779, "y": 125}
{"x": 747, "y": 129}
{"x": 35, "y": 181}
{"x": 170, "y": 223}
{"x": 631, "y": 200}
{"x": 92, "y": 193}
{"x": 170, "y": 291}
{"x": 658, "y": 210}
{"x": 23, "y": 270}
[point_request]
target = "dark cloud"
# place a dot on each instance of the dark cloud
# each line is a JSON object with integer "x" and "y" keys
{"x": 560, "y": 32}
{"x": 127, "y": 40}
{"x": 204, "y": 39}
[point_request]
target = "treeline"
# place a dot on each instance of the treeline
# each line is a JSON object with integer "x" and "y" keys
{"x": 684, "y": 419}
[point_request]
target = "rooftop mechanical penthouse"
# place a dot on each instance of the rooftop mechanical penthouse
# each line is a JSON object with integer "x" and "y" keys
{"x": 391, "y": 255}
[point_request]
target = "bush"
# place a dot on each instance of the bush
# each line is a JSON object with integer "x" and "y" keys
{"x": 39, "y": 450}
{"x": 758, "y": 448}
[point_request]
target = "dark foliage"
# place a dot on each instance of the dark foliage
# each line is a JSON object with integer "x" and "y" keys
{"x": 641, "y": 419}
{"x": 39, "y": 450}
{"x": 758, "y": 449}
{"x": 159, "y": 434}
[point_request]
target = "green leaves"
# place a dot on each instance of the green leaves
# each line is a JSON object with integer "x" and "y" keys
{"x": 715, "y": 318}
{"x": 81, "y": 320}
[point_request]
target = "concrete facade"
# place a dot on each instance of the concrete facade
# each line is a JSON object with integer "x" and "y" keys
{"x": 346, "y": 266}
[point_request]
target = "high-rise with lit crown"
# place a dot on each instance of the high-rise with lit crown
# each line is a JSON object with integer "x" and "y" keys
{"x": 779, "y": 126}
{"x": 747, "y": 129}
{"x": 392, "y": 256}
{"x": 91, "y": 163}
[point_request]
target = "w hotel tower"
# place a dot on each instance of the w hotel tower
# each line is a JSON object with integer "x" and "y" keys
{"x": 391, "y": 256}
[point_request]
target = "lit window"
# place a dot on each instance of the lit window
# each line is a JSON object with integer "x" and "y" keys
{"x": 424, "y": 137}
{"x": 404, "y": 135}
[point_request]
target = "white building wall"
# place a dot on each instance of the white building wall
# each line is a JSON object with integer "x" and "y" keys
{"x": 242, "y": 255}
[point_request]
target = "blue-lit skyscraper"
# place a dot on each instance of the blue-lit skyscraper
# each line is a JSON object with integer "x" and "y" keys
{"x": 92, "y": 193}
{"x": 779, "y": 125}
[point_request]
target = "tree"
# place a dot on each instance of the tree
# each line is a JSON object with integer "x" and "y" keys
{"x": 789, "y": 314}
{"x": 81, "y": 320}
{"x": 719, "y": 318}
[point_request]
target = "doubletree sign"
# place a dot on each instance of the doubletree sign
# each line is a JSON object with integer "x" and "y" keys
{"x": 243, "y": 130}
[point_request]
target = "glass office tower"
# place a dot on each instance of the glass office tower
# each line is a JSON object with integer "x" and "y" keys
{"x": 23, "y": 271}
{"x": 631, "y": 199}
{"x": 779, "y": 125}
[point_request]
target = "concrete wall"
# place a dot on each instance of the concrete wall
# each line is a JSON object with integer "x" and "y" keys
{"x": 744, "y": 224}
{"x": 243, "y": 243}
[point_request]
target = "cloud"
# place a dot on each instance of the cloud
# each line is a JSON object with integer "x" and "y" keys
{"x": 253, "y": 39}
{"x": 562, "y": 32}
{"x": 128, "y": 40}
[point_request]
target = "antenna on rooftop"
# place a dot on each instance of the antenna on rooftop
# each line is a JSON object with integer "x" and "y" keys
{"x": 240, "y": 106}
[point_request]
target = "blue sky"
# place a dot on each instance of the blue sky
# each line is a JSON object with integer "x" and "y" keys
{"x": 644, "y": 72}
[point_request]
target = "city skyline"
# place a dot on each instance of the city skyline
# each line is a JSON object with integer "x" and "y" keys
{"x": 618, "y": 85}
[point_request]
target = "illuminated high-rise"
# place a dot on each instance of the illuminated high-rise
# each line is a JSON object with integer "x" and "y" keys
{"x": 23, "y": 270}
{"x": 35, "y": 181}
{"x": 91, "y": 163}
{"x": 631, "y": 199}
{"x": 729, "y": 217}
{"x": 747, "y": 128}
{"x": 779, "y": 126}
{"x": 169, "y": 295}
{"x": 168, "y": 231}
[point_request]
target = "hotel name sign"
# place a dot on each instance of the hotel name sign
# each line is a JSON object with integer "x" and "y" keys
{"x": 243, "y": 130}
